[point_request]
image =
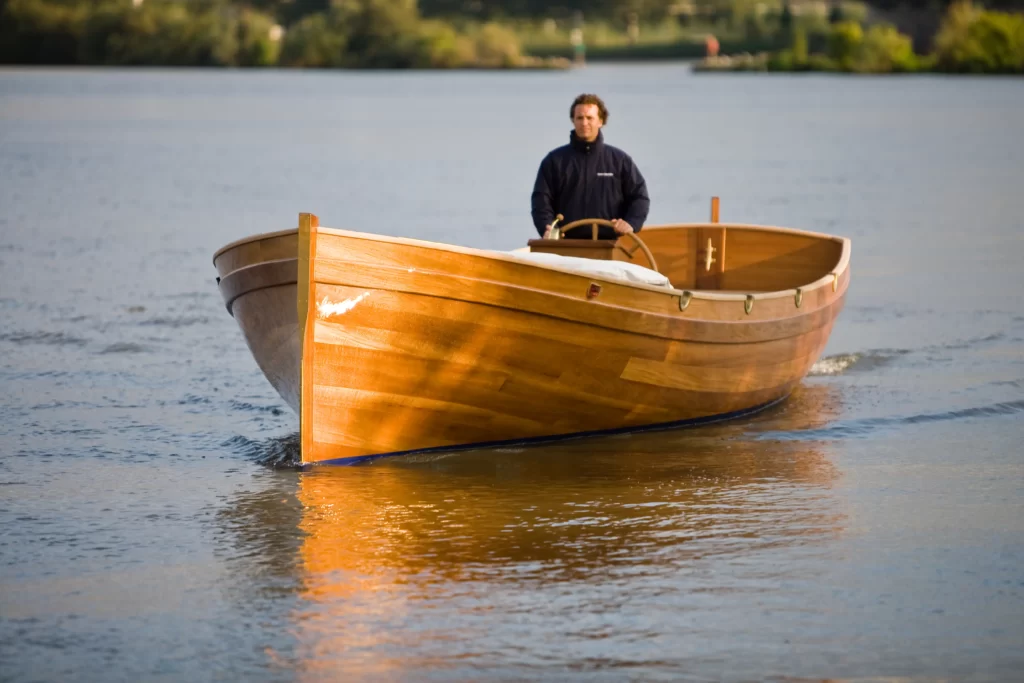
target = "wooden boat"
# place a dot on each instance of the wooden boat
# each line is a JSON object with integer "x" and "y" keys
{"x": 386, "y": 345}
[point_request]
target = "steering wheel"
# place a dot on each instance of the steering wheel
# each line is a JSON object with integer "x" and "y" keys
{"x": 595, "y": 222}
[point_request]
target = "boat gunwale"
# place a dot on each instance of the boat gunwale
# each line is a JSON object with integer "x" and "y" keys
{"x": 829, "y": 279}
{"x": 252, "y": 238}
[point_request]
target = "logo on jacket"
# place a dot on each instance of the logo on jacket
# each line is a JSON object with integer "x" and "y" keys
{"x": 606, "y": 175}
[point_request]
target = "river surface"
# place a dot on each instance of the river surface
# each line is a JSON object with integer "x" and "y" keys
{"x": 871, "y": 527}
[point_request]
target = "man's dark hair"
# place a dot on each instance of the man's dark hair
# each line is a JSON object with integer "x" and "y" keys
{"x": 587, "y": 98}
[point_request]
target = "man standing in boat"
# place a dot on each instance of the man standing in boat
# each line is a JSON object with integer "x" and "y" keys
{"x": 589, "y": 179}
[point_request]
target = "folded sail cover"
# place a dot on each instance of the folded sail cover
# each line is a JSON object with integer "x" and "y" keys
{"x": 608, "y": 270}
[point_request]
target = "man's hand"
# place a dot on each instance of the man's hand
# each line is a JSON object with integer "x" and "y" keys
{"x": 621, "y": 227}
{"x": 547, "y": 231}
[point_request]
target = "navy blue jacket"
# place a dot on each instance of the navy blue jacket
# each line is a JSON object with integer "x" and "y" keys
{"x": 589, "y": 180}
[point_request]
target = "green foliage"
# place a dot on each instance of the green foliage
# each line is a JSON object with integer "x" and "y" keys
{"x": 854, "y": 11}
{"x": 290, "y": 12}
{"x": 969, "y": 41}
{"x": 786, "y": 18}
{"x": 820, "y": 62}
{"x": 166, "y": 34}
{"x": 256, "y": 47}
{"x": 315, "y": 41}
{"x": 389, "y": 34}
{"x": 755, "y": 27}
{"x": 799, "y": 46}
{"x": 781, "y": 61}
{"x": 494, "y": 34}
{"x": 496, "y": 46}
{"x": 550, "y": 35}
{"x": 352, "y": 33}
{"x": 442, "y": 47}
{"x": 884, "y": 50}
{"x": 32, "y": 32}
{"x": 381, "y": 33}
{"x": 486, "y": 10}
{"x": 844, "y": 43}
{"x": 836, "y": 14}
{"x": 974, "y": 41}
{"x": 114, "y": 32}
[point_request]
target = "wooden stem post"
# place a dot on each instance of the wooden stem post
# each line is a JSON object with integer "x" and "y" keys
{"x": 308, "y": 224}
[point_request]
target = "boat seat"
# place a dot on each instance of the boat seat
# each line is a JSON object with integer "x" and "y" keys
{"x": 612, "y": 270}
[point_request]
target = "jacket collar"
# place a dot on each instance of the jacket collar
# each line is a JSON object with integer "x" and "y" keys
{"x": 585, "y": 147}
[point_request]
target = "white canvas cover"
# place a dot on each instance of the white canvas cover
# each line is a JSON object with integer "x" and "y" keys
{"x": 609, "y": 270}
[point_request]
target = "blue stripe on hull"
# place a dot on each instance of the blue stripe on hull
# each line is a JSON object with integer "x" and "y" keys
{"x": 693, "y": 422}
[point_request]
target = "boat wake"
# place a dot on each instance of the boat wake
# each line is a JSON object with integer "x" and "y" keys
{"x": 279, "y": 453}
{"x": 858, "y": 362}
{"x": 866, "y": 427}
{"x": 870, "y": 360}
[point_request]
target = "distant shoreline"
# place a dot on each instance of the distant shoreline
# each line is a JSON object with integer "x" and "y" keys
{"x": 695, "y": 66}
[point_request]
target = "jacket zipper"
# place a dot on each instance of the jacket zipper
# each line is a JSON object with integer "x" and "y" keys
{"x": 586, "y": 176}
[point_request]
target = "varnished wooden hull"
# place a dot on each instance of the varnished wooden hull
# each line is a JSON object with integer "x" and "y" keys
{"x": 258, "y": 279}
{"x": 385, "y": 345}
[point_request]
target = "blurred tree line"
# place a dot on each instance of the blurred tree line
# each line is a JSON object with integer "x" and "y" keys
{"x": 969, "y": 39}
{"x": 508, "y": 33}
{"x": 301, "y": 33}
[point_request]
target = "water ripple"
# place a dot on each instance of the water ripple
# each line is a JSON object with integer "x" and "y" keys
{"x": 869, "y": 426}
{"x": 47, "y": 338}
{"x": 968, "y": 343}
{"x": 252, "y": 408}
{"x": 124, "y": 347}
{"x": 61, "y": 404}
{"x": 176, "y": 322}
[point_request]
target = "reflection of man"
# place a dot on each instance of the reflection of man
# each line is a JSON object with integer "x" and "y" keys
{"x": 589, "y": 179}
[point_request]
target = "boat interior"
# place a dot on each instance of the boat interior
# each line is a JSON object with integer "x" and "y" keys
{"x": 715, "y": 257}
{"x": 709, "y": 257}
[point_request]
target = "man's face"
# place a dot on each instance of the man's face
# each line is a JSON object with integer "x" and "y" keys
{"x": 587, "y": 122}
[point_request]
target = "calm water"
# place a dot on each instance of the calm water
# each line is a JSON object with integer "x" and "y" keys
{"x": 870, "y": 527}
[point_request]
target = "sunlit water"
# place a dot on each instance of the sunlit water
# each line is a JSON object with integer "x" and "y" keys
{"x": 870, "y": 527}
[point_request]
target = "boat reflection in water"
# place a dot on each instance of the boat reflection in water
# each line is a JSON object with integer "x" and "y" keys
{"x": 557, "y": 554}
